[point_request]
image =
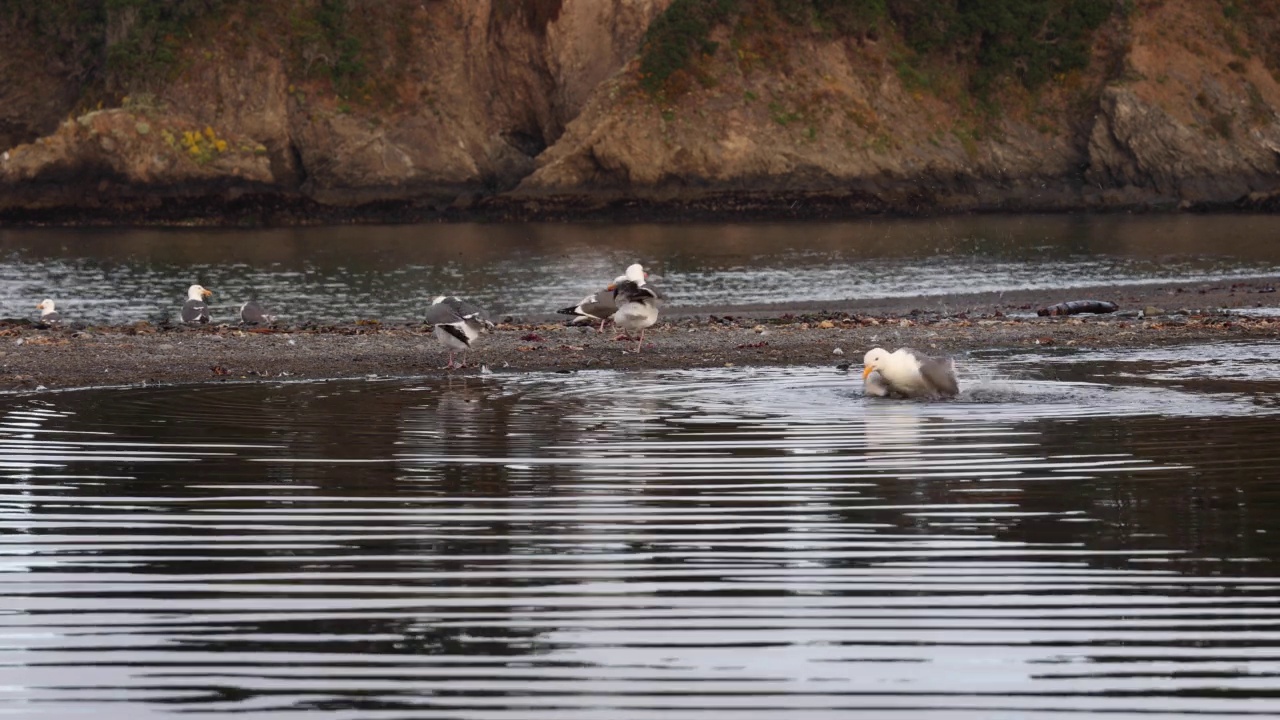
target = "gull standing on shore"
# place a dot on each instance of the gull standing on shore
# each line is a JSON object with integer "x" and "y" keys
{"x": 908, "y": 373}
{"x": 47, "y": 313}
{"x": 637, "y": 303}
{"x": 194, "y": 309}
{"x": 252, "y": 313}
{"x": 456, "y": 324}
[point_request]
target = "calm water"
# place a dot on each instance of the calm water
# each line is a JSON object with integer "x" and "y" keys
{"x": 1078, "y": 532}
{"x": 348, "y": 273}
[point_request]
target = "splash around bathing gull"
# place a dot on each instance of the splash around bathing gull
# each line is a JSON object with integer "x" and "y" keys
{"x": 907, "y": 373}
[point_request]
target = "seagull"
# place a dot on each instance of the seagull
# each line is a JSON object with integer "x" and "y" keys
{"x": 637, "y": 304}
{"x": 252, "y": 313}
{"x": 194, "y": 310}
{"x": 47, "y": 315}
{"x": 908, "y": 373}
{"x": 596, "y": 306}
{"x": 456, "y": 324}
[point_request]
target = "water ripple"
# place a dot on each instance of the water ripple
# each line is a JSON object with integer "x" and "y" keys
{"x": 732, "y": 543}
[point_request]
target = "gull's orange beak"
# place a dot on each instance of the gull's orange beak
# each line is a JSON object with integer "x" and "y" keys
{"x": 612, "y": 286}
{"x": 867, "y": 371}
{"x": 206, "y": 293}
{"x": 39, "y": 306}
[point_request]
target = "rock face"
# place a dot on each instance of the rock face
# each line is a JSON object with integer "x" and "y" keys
{"x": 1185, "y": 121}
{"x": 509, "y": 107}
{"x": 119, "y": 156}
{"x": 1192, "y": 121}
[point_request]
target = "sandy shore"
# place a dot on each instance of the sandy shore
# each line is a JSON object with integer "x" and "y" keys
{"x": 33, "y": 357}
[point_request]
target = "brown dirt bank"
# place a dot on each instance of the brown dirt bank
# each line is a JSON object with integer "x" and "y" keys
{"x": 252, "y": 210}
{"x": 31, "y": 357}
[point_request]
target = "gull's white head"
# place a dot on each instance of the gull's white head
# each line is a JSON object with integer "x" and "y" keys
{"x": 197, "y": 292}
{"x": 636, "y": 273}
{"x": 875, "y": 359}
{"x": 45, "y": 307}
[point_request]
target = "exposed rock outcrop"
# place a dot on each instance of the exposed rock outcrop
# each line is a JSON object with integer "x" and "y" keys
{"x": 533, "y": 108}
{"x": 1190, "y": 120}
{"x": 118, "y": 156}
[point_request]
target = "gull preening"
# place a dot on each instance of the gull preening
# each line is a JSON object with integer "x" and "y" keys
{"x": 637, "y": 303}
{"x": 908, "y": 373}
{"x": 194, "y": 310}
{"x": 252, "y": 313}
{"x": 598, "y": 305}
{"x": 47, "y": 313}
{"x": 456, "y": 324}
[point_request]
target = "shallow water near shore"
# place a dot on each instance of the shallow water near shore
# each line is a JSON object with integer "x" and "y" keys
{"x": 1078, "y": 532}
{"x": 340, "y": 274}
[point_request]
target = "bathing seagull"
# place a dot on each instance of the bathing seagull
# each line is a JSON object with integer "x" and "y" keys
{"x": 252, "y": 313}
{"x": 596, "y": 306}
{"x": 47, "y": 315}
{"x": 637, "y": 303}
{"x": 194, "y": 310}
{"x": 456, "y": 324}
{"x": 908, "y": 373}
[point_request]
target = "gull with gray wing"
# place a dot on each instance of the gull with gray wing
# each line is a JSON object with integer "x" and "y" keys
{"x": 596, "y": 306}
{"x": 48, "y": 315}
{"x": 456, "y": 324}
{"x": 252, "y": 313}
{"x": 908, "y": 373}
{"x": 194, "y": 310}
{"x": 637, "y": 303}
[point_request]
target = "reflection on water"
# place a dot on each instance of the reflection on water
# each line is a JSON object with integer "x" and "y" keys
{"x": 755, "y": 543}
{"x": 345, "y": 273}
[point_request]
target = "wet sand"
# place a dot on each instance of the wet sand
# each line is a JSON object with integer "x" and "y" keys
{"x": 33, "y": 357}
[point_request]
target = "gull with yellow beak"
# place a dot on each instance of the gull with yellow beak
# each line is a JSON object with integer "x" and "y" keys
{"x": 48, "y": 315}
{"x": 908, "y": 373}
{"x": 194, "y": 309}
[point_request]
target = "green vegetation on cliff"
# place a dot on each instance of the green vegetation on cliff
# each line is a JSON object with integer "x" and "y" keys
{"x": 1030, "y": 40}
{"x": 112, "y": 46}
{"x": 116, "y": 48}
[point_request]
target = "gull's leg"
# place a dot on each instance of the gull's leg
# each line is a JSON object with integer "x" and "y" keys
{"x": 641, "y": 341}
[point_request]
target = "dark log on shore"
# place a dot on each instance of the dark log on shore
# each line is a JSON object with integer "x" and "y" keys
{"x": 1073, "y": 307}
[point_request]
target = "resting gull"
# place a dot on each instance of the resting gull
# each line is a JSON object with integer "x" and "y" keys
{"x": 908, "y": 373}
{"x": 637, "y": 303}
{"x": 252, "y": 313}
{"x": 194, "y": 310}
{"x": 456, "y": 324}
{"x": 47, "y": 313}
{"x": 596, "y": 306}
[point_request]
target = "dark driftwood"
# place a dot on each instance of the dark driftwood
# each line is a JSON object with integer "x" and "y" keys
{"x": 1079, "y": 306}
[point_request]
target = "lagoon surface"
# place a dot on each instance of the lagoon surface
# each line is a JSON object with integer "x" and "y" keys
{"x": 341, "y": 274}
{"x": 1079, "y": 532}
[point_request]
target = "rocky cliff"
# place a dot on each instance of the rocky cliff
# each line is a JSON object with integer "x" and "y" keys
{"x": 319, "y": 110}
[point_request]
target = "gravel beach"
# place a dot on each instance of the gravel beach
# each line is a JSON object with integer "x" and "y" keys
{"x": 33, "y": 357}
